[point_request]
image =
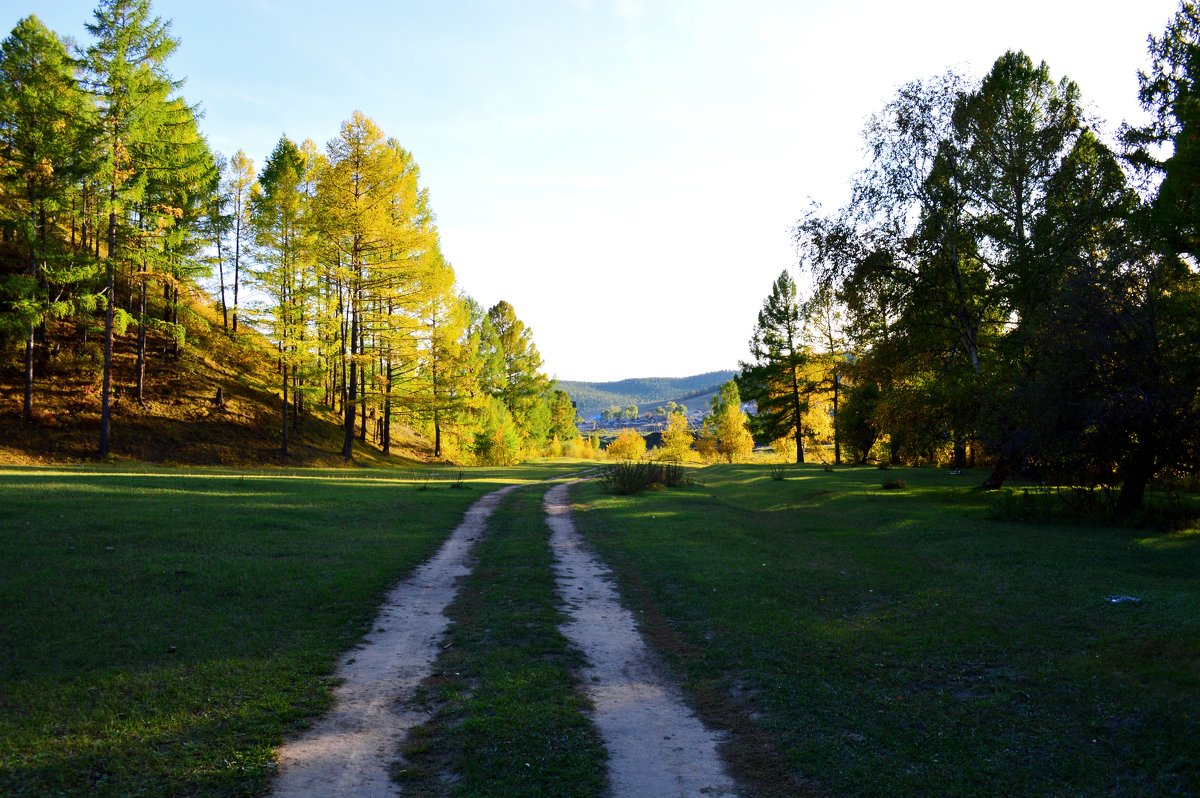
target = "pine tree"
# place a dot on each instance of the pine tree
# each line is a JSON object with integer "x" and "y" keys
{"x": 773, "y": 380}
{"x": 175, "y": 200}
{"x": 377, "y": 234}
{"x": 127, "y": 75}
{"x": 44, "y": 130}
{"x": 277, "y": 214}
{"x": 516, "y": 376}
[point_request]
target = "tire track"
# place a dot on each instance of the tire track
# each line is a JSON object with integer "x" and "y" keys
{"x": 656, "y": 745}
{"x": 349, "y": 751}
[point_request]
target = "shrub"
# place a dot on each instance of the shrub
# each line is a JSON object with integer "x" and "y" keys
{"x": 629, "y": 478}
{"x": 1096, "y": 505}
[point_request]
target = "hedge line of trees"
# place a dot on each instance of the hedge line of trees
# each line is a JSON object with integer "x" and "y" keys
{"x": 111, "y": 202}
{"x": 1006, "y": 285}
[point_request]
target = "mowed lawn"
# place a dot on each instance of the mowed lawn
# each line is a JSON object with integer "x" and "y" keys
{"x": 904, "y": 642}
{"x": 160, "y": 629}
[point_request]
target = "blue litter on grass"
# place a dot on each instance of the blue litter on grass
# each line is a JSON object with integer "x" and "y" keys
{"x": 1124, "y": 600}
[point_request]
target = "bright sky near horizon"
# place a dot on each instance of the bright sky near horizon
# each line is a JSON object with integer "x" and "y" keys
{"x": 623, "y": 172}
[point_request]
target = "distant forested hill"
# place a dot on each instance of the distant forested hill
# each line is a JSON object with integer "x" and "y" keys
{"x": 646, "y": 392}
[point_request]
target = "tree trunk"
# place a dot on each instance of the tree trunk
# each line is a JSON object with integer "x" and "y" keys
{"x": 1002, "y": 470}
{"x": 28, "y": 407}
{"x": 437, "y": 432}
{"x": 960, "y": 450}
{"x": 175, "y": 348}
{"x": 351, "y": 392}
{"x": 837, "y": 438}
{"x": 362, "y": 397}
{"x": 283, "y": 452}
{"x": 221, "y": 273}
{"x": 141, "y": 343}
{"x": 386, "y": 424}
{"x": 111, "y": 290}
{"x": 237, "y": 266}
{"x": 33, "y": 273}
{"x": 1138, "y": 472}
{"x": 389, "y": 373}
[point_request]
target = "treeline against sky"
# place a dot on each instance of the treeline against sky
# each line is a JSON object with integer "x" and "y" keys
{"x": 112, "y": 205}
{"x": 1005, "y": 286}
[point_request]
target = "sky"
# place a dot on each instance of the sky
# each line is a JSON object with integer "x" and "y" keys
{"x": 625, "y": 173}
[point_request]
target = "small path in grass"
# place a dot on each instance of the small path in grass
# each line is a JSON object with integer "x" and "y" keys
{"x": 349, "y": 751}
{"x": 656, "y": 745}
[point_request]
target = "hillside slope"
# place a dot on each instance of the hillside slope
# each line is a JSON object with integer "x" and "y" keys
{"x": 592, "y": 397}
{"x": 179, "y": 421}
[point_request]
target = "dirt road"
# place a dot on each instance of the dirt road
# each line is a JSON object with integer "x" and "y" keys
{"x": 656, "y": 745}
{"x": 349, "y": 751}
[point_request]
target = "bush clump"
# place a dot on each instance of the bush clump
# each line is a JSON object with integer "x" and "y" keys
{"x": 629, "y": 478}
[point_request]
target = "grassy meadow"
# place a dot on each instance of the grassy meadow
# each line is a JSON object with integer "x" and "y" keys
{"x": 162, "y": 628}
{"x": 862, "y": 641}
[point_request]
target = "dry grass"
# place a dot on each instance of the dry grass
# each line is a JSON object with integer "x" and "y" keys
{"x": 178, "y": 421}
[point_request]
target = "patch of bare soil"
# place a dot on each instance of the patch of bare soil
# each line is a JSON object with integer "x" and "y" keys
{"x": 350, "y": 750}
{"x": 657, "y": 746}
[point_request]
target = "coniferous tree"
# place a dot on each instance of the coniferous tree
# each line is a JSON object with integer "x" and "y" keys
{"x": 277, "y": 215}
{"x": 218, "y": 223}
{"x": 515, "y": 374}
{"x": 176, "y": 196}
{"x": 774, "y": 379}
{"x": 44, "y": 138}
{"x": 1168, "y": 147}
{"x": 126, "y": 72}
{"x": 240, "y": 189}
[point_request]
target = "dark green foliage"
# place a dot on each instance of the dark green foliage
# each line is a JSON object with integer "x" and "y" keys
{"x": 1170, "y": 91}
{"x": 858, "y": 420}
{"x": 774, "y": 379}
{"x": 1009, "y": 292}
{"x": 45, "y": 150}
{"x": 1045, "y": 504}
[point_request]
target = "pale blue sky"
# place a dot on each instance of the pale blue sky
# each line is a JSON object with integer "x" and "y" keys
{"x": 624, "y": 172}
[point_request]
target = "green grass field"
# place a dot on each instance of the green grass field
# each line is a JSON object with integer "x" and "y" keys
{"x": 162, "y": 628}
{"x": 902, "y": 642}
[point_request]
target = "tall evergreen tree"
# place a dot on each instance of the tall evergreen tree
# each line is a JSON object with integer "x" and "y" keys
{"x": 44, "y": 138}
{"x": 773, "y": 379}
{"x": 518, "y": 380}
{"x": 377, "y": 235}
{"x": 277, "y": 214}
{"x": 1168, "y": 147}
{"x": 126, "y": 72}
